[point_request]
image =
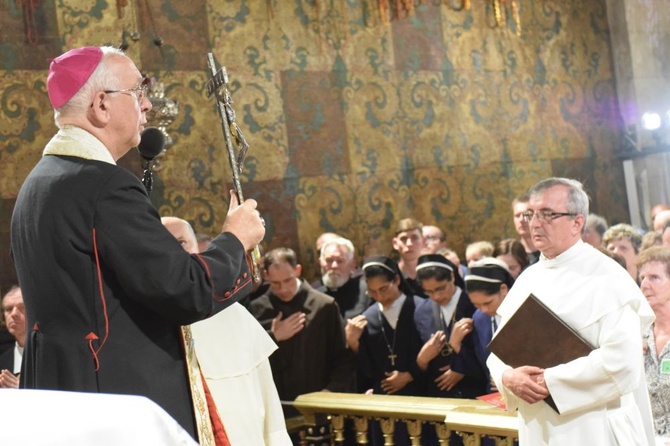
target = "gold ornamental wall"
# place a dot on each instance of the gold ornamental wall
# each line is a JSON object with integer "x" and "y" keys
{"x": 354, "y": 122}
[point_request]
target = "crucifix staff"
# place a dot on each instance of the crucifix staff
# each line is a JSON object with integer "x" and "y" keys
{"x": 217, "y": 86}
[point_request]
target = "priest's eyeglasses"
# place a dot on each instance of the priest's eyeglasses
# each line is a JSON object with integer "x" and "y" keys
{"x": 140, "y": 92}
{"x": 544, "y": 216}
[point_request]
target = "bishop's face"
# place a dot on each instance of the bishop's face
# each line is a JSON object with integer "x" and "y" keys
{"x": 127, "y": 109}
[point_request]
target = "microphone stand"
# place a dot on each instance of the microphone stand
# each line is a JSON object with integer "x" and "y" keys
{"x": 147, "y": 178}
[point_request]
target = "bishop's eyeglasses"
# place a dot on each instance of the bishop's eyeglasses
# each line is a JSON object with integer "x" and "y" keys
{"x": 140, "y": 91}
{"x": 545, "y": 216}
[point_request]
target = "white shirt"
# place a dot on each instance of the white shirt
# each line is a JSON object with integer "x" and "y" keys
{"x": 449, "y": 309}
{"x": 392, "y": 313}
{"x": 18, "y": 357}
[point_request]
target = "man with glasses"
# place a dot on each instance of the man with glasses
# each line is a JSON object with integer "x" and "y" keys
{"x": 519, "y": 206}
{"x": 602, "y": 398}
{"x": 434, "y": 239}
{"x": 106, "y": 287}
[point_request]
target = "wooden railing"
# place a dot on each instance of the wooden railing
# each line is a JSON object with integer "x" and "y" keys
{"x": 471, "y": 419}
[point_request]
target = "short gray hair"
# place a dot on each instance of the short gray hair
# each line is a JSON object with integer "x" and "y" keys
{"x": 578, "y": 201}
{"x": 597, "y": 223}
{"x": 340, "y": 242}
{"x": 101, "y": 79}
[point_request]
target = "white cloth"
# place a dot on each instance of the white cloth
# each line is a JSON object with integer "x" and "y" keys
{"x": 233, "y": 351}
{"x": 75, "y": 141}
{"x": 48, "y": 418}
{"x": 18, "y": 358}
{"x": 602, "y": 397}
{"x": 392, "y": 313}
{"x": 449, "y": 309}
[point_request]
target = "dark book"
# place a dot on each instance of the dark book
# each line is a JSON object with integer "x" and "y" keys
{"x": 536, "y": 336}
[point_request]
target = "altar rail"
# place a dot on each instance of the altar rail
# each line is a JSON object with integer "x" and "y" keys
{"x": 471, "y": 419}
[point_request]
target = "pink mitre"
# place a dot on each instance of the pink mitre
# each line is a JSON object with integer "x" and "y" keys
{"x": 69, "y": 72}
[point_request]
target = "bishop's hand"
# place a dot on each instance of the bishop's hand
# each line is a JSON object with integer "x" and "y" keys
{"x": 244, "y": 222}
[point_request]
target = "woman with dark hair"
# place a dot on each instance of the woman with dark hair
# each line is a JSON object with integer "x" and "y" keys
{"x": 487, "y": 283}
{"x": 512, "y": 252}
{"x": 446, "y": 328}
{"x": 389, "y": 342}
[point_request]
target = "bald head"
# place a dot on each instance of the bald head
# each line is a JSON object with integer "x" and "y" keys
{"x": 655, "y": 210}
{"x": 660, "y": 220}
{"x": 183, "y": 232}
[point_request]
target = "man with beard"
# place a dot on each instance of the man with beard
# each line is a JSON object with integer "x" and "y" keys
{"x": 341, "y": 279}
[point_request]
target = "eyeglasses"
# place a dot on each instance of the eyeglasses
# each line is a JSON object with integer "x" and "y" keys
{"x": 545, "y": 216}
{"x": 140, "y": 92}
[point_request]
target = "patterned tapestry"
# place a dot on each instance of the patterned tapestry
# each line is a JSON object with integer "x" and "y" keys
{"x": 356, "y": 117}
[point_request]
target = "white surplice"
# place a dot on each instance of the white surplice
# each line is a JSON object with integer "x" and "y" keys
{"x": 602, "y": 397}
{"x": 233, "y": 351}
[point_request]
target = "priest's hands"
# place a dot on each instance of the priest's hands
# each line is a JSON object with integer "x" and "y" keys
{"x": 244, "y": 222}
{"x": 353, "y": 331}
{"x": 526, "y": 382}
{"x": 395, "y": 381}
{"x": 289, "y": 327}
{"x": 448, "y": 379}
{"x": 8, "y": 380}
{"x": 431, "y": 349}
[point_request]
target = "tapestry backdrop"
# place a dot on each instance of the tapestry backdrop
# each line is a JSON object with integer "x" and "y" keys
{"x": 356, "y": 117}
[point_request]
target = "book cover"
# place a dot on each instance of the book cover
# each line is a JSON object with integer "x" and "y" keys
{"x": 535, "y": 335}
{"x": 493, "y": 398}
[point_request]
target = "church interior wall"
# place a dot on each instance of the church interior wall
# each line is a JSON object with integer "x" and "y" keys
{"x": 354, "y": 122}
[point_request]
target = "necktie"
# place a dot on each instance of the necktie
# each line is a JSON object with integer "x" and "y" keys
{"x": 494, "y": 324}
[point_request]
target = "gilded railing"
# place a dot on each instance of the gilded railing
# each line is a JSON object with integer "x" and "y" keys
{"x": 471, "y": 419}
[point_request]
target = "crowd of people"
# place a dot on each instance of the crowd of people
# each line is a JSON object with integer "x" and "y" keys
{"x": 119, "y": 301}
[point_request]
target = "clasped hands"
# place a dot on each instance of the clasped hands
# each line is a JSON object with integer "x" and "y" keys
{"x": 8, "y": 380}
{"x": 526, "y": 382}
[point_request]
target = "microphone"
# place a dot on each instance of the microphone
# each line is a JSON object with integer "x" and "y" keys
{"x": 152, "y": 143}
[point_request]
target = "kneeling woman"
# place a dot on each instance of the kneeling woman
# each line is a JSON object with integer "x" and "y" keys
{"x": 389, "y": 341}
{"x": 487, "y": 283}
{"x": 446, "y": 328}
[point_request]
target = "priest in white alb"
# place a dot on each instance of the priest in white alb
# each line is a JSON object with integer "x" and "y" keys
{"x": 602, "y": 398}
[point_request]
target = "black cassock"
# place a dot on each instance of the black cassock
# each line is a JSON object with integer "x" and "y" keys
{"x": 351, "y": 297}
{"x": 107, "y": 287}
{"x": 316, "y": 357}
{"x": 429, "y": 319}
